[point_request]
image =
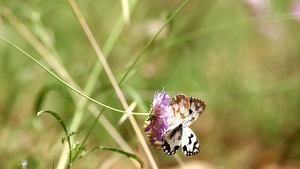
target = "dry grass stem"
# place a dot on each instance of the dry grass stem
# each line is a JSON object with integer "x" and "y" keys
{"x": 126, "y": 11}
{"x": 112, "y": 79}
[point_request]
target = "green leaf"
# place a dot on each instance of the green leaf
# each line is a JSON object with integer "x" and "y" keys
{"x": 116, "y": 150}
{"x": 58, "y": 118}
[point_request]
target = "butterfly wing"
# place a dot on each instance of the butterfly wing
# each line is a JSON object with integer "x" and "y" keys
{"x": 180, "y": 104}
{"x": 172, "y": 139}
{"x": 196, "y": 108}
{"x": 186, "y": 110}
{"x": 190, "y": 145}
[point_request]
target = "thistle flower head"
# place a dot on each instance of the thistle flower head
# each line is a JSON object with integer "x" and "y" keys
{"x": 158, "y": 121}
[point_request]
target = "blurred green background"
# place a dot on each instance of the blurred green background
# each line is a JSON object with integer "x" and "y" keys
{"x": 241, "y": 57}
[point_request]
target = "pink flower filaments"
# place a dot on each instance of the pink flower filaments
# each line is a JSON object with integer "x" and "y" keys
{"x": 159, "y": 116}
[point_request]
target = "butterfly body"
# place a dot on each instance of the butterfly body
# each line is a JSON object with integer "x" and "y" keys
{"x": 186, "y": 110}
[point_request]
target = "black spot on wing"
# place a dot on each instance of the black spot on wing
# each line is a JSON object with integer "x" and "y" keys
{"x": 194, "y": 151}
{"x": 176, "y": 148}
{"x": 196, "y": 145}
{"x": 184, "y": 148}
{"x": 190, "y": 111}
{"x": 167, "y": 148}
{"x": 178, "y": 129}
{"x": 196, "y": 148}
{"x": 190, "y": 138}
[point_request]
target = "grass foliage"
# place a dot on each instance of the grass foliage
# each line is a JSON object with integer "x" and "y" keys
{"x": 244, "y": 65}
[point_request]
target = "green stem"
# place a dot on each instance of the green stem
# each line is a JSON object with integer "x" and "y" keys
{"x": 131, "y": 67}
{"x": 87, "y": 135}
{"x": 70, "y": 153}
{"x": 69, "y": 86}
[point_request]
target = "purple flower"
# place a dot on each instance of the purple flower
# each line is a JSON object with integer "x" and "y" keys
{"x": 295, "y": 9}
{"x": 159, "y": 116}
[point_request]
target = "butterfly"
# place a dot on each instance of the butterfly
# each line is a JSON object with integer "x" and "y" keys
{"x": 186, "y": 110}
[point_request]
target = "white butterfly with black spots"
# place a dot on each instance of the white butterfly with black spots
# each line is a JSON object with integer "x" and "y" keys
{"x": 186, "y": 111}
